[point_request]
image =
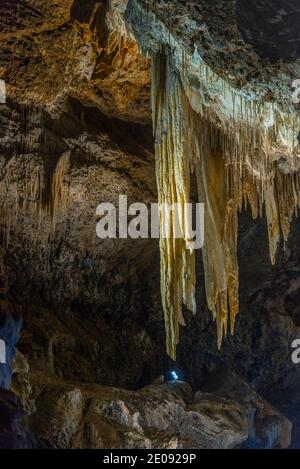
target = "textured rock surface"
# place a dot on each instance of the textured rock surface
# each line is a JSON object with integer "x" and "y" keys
{"x": 213, "y": 28}
{"x": 75, "y": 132}
{"x": 12, "y": 433}
{"x": 271, "y": 27}
{"x": 238, "y": 135}
{"x": 52, "y": 50}
{"x": 157, "y": 416}
{"x": 66, "y": 64}
{"x": 92, "y": 309}
{"x": 267, "y": 428}
{"x": 269, "y": 298}
{"x": 58, "y": 281}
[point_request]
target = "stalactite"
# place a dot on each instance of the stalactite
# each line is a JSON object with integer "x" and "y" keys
{"x": 173, "y": 168}
{"x": 60, "y": 188}
{"x": 234, "y": 149}
{"x": 32, "y": 195}
{"x": 120, "y": 48}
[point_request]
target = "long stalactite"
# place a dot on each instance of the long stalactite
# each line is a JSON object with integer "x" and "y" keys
{"x": 235, "y": 158}
{"x": 173, "y": 180}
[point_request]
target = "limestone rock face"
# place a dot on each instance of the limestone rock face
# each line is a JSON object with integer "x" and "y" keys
{"x": 267, "y": 428}
{"x": 21, "y": 385}
{"x": 52, "y": 50}
{"x": 74, "y": 133}
{"x": 92, "y": 308}
{"x": 158, "y": 416}
{"x": 51, "y": 254}
{"x": 212, "y": 117}
{"x": 232, "y": 37}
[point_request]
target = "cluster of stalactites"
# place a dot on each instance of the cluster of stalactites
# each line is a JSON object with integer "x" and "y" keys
{"x": 234, "y": 165}
{"x": 29, "y": 192}
{"x": 30, "y": 197}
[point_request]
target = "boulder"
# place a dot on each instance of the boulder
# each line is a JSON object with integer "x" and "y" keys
{"x": 267, "y": 427}
{"x": 165, "y": 416}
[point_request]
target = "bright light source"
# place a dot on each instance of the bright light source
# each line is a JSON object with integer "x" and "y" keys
{"x": 174, "y": 375}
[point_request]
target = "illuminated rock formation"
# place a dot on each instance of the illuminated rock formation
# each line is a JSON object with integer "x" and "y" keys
{"x": 76, "y": 131}
{"x": 58, "y": 49}
{"x": 237, "y": 141}
{"x": 100, "y": 66}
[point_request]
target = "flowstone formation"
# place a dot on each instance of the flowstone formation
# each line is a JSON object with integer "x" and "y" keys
{"x": 236, "y": 131}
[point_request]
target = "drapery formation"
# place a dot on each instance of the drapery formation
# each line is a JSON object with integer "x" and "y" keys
{"x": 31, "y": 189}
{"x": 233, "y": 143}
